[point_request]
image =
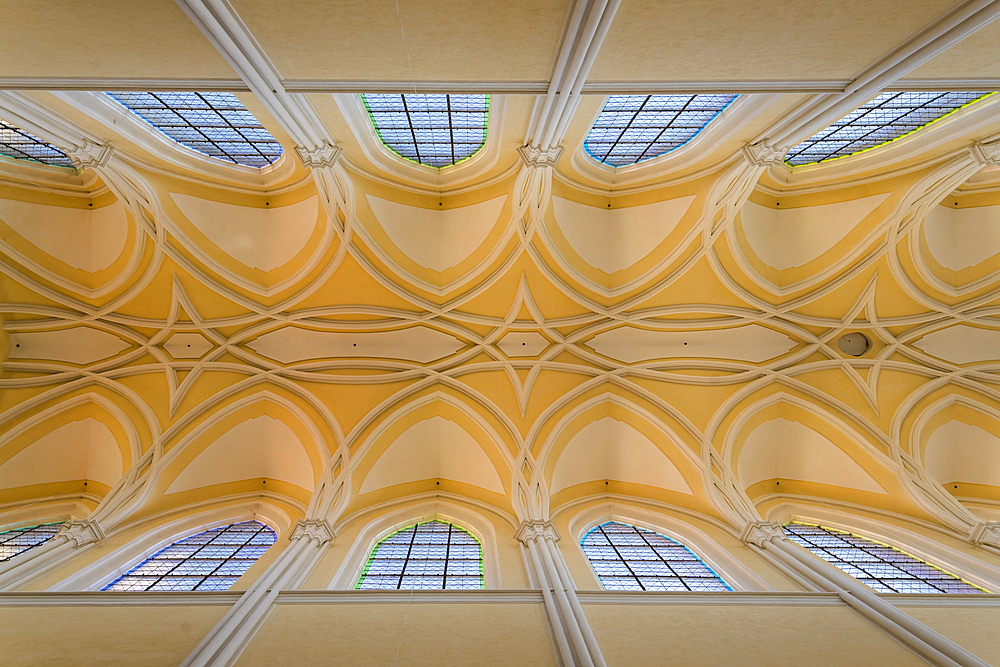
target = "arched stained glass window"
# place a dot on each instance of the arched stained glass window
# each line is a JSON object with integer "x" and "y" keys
{"x": 633, "y": 128}
{"x": 436, "y": 130}
{"x": 216, "y": 124}
{"x": 17, "y": 541}
{"x": 627, "y": 558}
{"x": 431, "y": 555}
{"x": 887, "y": 117}
{"x": 209, "y": 561}
{"x": 22, "y": 145}
{"x": 885, "y": 569}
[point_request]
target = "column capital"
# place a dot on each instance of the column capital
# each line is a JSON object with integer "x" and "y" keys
{"x": 90, "y": 155}
{"x": 314, "y": 530}
{"x": 82, "y": 532}
{"x": 536, "y": 157}
{"x": 324, "y": 155}
{"x": 763, "y": 154}
{"x": 761, "y": 532}
{"x": 986, "y": 533}
{"x": 531, "y": 530}
{"x": 986, "y": 154}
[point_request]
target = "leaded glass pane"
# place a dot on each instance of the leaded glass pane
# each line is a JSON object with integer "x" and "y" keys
{"x": 633, "y": 128}
{"x": 216, "y": 124}
{"x": 882, "y": 567}
{"x": 17, "y": 541}
{"x": 22, "y": 145}
{"x": 627, "y": 558}
{"x": 887, "y": 117}
{"x": 431, "y": 555}
{"x": 209, "y": 561}
{"x": 436, "y": 130}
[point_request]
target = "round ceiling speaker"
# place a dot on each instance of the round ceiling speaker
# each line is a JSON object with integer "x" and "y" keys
{"x": 854, "y": 344}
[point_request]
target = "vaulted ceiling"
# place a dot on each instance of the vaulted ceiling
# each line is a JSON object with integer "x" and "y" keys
{"x": 528, "y": 329}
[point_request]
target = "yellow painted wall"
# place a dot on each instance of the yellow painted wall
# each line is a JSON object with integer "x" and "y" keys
{"x": 751, "y": 636}
{"x": 147, "y": 636}
{"x": 425, "y": 634}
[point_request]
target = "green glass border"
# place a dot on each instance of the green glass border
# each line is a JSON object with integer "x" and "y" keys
{"x": 371, "y": 556}
{"x": 486, "y": 124}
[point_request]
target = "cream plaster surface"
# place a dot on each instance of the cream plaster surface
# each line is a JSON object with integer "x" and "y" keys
{"x": 962, "y": 344}
{"x": 960, "y": 452}
{"x": 187, "y": 346}
{"x": 430, "y": 449}
{"x": 785, "y": 449}
{"x": 258, "y": 447}
{"x": 82, "y": 449}
{"x": 523, "y": 344}
{"x": 616, "y": 238}
{"x": 750, "y": 343}
{"x": 789, "y": 238}
{"x": 78, "y": 345}
{"x": 89, "y": 239}
{"x": 612, "y": 449}
{"x": 260, "y": 238}
{"x": 293, "y": 344}
{"x": 962, "y": 237}
{"x": 437, "y": 240}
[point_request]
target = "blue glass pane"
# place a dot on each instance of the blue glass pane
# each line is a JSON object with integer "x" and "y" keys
{"x": 627, "y": 558}
{"x": 633, "y": 128}
{"x": 889, "y": 116}
{"x": 209, "y": 561}
{"x": 436, "y": 130}
{"x": 17, "y": 541}
{"x": 885, "y": 569}
{"x": 22, "y": 145}
{"x": 431, "y": 555}
{"x": 216, "y": 124}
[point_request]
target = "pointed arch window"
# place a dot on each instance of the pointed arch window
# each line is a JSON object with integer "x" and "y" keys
{"x": 209, "y": 561}
{"x": 880, "y": 566}
{"x": 16, "y": 542}
{"x": 432, "y": 555}
{"x": 23, "y": 145}
{"x": 633, "y": 128}
{"x": 886, "y": 118}
{"x": 216, "y": 124}
{"x": 435, "y": 130}
{"x": 627, "y": 558}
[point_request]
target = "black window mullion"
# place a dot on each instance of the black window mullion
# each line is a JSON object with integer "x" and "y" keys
{"x": 664, "y": 129}
{"x": 622, "y": 559}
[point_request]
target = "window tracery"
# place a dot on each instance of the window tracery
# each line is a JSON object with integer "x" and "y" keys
{"x": 23, "y": 145}
{"x": 15, "y": 542}
{"x": 216, "y": 124}
{"x": 633, "y": 128}
{"x": 430, "y": 555}
{"x": 627, "y": 558}
{"x": 435, "y": 130}
{"x": 208, "y": 561}
{"x": 886, "y": 118}
{"x": 884, "y": 568}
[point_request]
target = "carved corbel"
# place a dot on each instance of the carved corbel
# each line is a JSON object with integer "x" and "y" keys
{"x": 91, "y": 155}
{"x": 80, "y": 533}
{"x": 986, "y": 154}
{"x": 325, "y": 155}
{"x": 532, "y": 530}
{"x": 759, "y": 533}
{"x": 986, "y": 533}
{"x": 314, "y": 530}
{"x": 764, "y": 155}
